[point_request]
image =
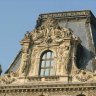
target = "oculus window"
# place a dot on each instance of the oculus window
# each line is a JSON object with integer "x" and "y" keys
{"x": 47, "y": 64}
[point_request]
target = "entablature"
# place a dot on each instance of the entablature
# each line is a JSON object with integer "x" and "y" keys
{"x": 48, "y": 87}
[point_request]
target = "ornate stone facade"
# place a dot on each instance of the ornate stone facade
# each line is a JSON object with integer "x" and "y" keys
{"x": 63, "y": 74}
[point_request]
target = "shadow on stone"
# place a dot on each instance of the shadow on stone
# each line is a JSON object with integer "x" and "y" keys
{"x": 83, "y": 57}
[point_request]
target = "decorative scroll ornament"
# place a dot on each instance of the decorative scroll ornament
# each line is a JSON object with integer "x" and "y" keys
{"x": 83, "y": 75}
{"x": 8, "y": 78}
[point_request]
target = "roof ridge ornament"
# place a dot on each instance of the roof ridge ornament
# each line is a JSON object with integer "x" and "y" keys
{"x": 50, "y": 22}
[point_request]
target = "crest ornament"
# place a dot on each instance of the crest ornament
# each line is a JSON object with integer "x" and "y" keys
{"x": 50, "y": 22}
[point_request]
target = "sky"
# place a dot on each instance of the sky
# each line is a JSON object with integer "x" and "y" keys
{"x": 19, "y": 16}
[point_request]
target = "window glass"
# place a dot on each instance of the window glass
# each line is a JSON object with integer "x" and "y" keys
{"x": 46, "y": 72}
{"x": 44, "y": 56}
{"x": 48, "y": 55}
{"x": 48, "y": 63}
{"x": 42, "y": 72}
{"x": 43, "y": 64}
{"x": 52, "y": 62}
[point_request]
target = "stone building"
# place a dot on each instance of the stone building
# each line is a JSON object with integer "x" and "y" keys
{"x": 57, "y": 58}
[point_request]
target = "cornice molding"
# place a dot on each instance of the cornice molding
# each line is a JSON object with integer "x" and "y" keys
{"x": 48, "y": 87}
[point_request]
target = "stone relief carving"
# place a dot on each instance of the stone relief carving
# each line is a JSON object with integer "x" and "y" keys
{"x": 50, "y": 22}
{"x": 38, "y": 35}
{"x": 25, "y": 65}
{"x": 58, "y": 36}
{"x": 83, "y": 75}
{"x": 50, "y": 32}
{"x": 64, "y": 57}
{"x": 9, "y": 78}
{"x": 25, "y": 42}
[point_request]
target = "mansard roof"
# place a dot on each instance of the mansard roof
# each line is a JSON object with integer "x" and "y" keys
{"x": 15, "y": 64}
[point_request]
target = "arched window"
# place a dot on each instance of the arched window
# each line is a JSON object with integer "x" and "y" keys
{"x": 47, "y": 64}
